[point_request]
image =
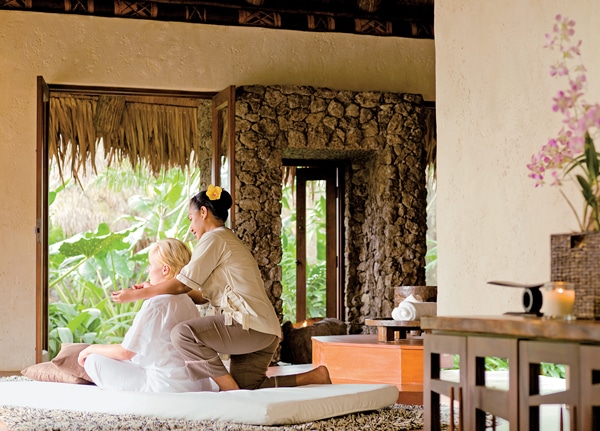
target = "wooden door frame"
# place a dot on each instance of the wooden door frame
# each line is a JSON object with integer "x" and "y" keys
{"x": 44, "y": 92}
{"x": 334, "y": 224}
{"x": 224, "y": 100}
{"x": 41, "y": 220}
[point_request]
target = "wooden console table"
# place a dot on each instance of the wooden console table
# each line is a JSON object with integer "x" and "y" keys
{"x": 527, "y": 342}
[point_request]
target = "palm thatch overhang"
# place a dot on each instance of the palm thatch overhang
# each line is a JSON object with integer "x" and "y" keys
{"x": 160, "y": 132}
{"x": 396, "y": 18}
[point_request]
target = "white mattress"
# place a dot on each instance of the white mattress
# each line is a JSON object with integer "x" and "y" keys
{"x": 275, "y": 406}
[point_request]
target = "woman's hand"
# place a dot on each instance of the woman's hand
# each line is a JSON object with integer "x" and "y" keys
{"x": 197, "y": 297}
{"x": 126, "y": 295}
{"x": 114, "y": 351}
{"x": 143, "y": 285}
{"x": 84, "y": 354}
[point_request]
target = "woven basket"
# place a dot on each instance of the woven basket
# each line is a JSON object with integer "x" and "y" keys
{"x": 575, "y": 258}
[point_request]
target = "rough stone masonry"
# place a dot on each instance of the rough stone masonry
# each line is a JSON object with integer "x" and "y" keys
{"x": 379, "y": 138}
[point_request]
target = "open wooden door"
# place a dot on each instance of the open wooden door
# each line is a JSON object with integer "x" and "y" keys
{"x": 41, "y": 225}
{"x": 223, "y": 169}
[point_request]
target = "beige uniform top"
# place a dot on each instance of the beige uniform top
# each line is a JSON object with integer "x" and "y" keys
{"x": 223, "y": 268}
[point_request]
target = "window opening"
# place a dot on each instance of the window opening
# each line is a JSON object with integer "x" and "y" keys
{"x": 99, "y": 231}
{"x": 310, "y": 245}
{"x": 80, "y": 265}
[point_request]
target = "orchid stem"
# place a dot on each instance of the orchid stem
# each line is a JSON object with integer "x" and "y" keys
{"x": 572, "y": 209}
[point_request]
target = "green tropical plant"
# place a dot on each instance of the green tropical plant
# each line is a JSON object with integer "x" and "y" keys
{"x": 288, "y": 259}
{"x": 70, "y": 325}
{"x": 316, "y": 305}
{"x": 316, "y": 287}
{"x": 493, "y": 363}
{"x": 431, "y": 255}
{"x": 431, "y": 235}
{"x": 316, "y": 267}
{"x": 86, "y": 267}
{"x": 553, "y": 370}
{"x": 164, "y": 206}
{"x": 83, "y": 270}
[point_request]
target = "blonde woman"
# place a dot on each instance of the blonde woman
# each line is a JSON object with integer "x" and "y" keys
{"x": 146, "y": 360}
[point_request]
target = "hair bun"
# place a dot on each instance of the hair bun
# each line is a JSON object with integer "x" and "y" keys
{"x": 225, "y": 200}
{"x": 218, "y": 202}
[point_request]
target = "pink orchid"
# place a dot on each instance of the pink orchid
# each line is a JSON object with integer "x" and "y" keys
{"x": 571, "y": 152}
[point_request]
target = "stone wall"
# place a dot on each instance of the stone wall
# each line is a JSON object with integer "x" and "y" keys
{"x": 379, "y": 139}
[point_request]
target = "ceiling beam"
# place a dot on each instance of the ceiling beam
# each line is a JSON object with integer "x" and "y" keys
{"x": 395, "y": 18}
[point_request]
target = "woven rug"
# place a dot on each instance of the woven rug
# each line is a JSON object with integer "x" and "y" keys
{"x": 396, "y": 417}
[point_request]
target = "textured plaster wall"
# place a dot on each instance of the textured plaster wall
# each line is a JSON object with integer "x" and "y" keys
{"x": 494, "y": 97}
{"x": 129, "y": 53}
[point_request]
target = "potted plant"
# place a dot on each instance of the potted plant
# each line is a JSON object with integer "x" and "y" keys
{"x": 572, "y": 156}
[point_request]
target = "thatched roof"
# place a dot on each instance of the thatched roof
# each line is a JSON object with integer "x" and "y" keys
{"x": 159, "y": 131}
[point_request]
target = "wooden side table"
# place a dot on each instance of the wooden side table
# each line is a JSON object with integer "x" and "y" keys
{"x": 361, "y": 358}
{"x": 392, "y": 330}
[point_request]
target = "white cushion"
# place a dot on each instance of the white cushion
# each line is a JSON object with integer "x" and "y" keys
{"x": 274, "y": 406}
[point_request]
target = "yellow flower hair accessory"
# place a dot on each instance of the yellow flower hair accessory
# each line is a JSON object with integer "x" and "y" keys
{"x": 214, "y": 192}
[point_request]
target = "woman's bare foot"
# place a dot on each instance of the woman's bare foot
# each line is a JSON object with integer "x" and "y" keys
{"x": 316, "y": 376}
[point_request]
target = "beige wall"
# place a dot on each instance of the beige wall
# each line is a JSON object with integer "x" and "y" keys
{"x": 494, "y": 98}
{"x": 130, "y": 53}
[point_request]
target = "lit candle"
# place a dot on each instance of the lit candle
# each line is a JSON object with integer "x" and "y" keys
{"x": 558, "y": 300}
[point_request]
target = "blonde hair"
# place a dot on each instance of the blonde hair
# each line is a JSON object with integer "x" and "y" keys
{"x": 173, "y": 253}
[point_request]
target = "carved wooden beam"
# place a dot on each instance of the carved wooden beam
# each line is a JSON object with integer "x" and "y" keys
{"x": 399, "y": 18}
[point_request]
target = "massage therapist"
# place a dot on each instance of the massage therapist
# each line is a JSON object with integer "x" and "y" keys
{"x": 224, "y": 271}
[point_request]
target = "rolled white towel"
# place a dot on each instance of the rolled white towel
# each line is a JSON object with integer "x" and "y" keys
{"x": 411, "y": 309}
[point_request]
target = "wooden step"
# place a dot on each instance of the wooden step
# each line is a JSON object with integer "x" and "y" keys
{"x": 364, "y": 359}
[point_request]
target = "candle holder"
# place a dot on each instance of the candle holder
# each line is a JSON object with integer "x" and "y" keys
{"x": 558, "y": 300}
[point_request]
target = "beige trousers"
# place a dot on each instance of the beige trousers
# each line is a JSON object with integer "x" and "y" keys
{"x": 201, "y": 340}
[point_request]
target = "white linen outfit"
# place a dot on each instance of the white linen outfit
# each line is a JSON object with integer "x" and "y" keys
{"x": 247, "y": 329}
{"x": 157, "y": 365}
